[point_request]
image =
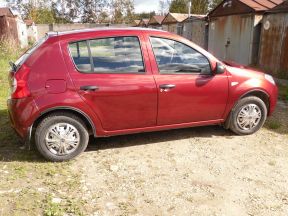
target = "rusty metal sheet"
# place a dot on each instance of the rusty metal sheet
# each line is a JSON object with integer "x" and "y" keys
{"x": 254, "y": 5}
{"x": 195, "y": 30}
{"x": 266, "y": 3}
{"x": 232, "y": 7}
{"x": 174, "y": 18}
{"x": 280, "y": 8}
{"x": 273, "y": 56}
{"x": 156, "y": 20}
{"x": 231, "y": 38}
{"x": 8, "y": 28}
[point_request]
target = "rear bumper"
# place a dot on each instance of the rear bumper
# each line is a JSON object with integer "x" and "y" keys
{"x": 22, "y": 113}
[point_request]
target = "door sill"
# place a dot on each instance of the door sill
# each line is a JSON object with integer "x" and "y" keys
{"x": 159, "y": 128}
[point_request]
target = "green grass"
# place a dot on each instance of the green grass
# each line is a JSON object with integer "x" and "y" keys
{"x": 274, "y": 124}
{"x": 23, "y": 172}
{"x": 283, "y": 92}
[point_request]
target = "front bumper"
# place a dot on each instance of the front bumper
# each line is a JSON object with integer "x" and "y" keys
{"x": 273, "y": 100}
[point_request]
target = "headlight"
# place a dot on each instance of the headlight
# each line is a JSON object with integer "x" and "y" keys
{"x": 269, "y": 78}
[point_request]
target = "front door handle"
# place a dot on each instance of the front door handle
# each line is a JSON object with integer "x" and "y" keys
{"x": 167, "y": 86}
{"x": 89, "y": 88}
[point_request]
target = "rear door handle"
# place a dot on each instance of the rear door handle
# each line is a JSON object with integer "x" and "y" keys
{"x": 89, "y": 88}
{"x": 167, "y": 86}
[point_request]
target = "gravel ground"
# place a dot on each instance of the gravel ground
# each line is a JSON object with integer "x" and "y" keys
{"x": 194, "y": 171}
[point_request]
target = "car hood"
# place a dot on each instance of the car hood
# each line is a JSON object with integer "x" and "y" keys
{"x": 243, "y": 71}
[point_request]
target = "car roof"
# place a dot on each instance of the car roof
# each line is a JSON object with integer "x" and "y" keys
{"x": 102, "y": 29}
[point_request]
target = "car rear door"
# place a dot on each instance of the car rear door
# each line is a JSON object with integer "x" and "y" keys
{"x": 112, "y": 74}
{"x": 187, "y": 90}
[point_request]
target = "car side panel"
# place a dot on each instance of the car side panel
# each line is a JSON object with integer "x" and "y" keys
{"x": 48, "y": 71}
{"x": 123, "y": 101}
{"x": 241, "y": 84}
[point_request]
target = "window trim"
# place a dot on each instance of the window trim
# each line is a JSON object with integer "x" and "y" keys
{"x": 91, "y": 58}
{"x": 175, "y": 73}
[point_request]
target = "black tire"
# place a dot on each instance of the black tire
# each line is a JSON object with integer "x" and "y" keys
{"x": 56, "y": 118}
{"x": 234, "y": 126}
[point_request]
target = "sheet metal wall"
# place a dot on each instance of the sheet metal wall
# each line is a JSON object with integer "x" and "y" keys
{"x": 274, "y": 44}
{"x": 8, "y": 28}
{"x": 231, "y": 38}
{"x": 196, "y": 32}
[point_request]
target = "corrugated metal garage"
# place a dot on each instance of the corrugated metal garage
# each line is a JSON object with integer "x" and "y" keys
{"x": 12, "y": 27}
{"x": 195, "y": 28}
{"x": 274, "y": 41}
{"x": 173, "y": 22}
{"x": 155, "y": 22}
{"x": 235, "y": 27}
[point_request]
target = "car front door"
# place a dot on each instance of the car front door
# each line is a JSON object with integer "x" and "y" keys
{"x": 113, "y": 76}
{"x": 187, "y": 90}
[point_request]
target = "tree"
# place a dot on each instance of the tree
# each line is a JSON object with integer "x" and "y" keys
{"x": 164, "y": 6}
{"x": 214, "y": 3}
{"x": 178, "y": 6}
{"x": 66, "y": 11}
{"x": 145, "y": 15}
{"x": 122, "y": 11}
{"x": 197, "y": 7}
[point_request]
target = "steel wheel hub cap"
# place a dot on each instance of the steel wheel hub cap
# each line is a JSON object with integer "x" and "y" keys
{"x": 249, "y": 117}
{"x": 62, "y": 139}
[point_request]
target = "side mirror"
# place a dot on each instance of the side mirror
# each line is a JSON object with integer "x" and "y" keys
{"x": 219, "y": 68}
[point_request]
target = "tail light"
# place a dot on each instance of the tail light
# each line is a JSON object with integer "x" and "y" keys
{"x": 18, "y": 81}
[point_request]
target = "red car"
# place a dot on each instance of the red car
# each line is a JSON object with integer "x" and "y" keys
{"x": 106, "y": 82}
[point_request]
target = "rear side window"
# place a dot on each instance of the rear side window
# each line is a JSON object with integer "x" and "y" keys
{"x": 108, "y": 55}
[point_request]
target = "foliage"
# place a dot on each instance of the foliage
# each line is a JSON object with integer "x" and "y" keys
{"x": 197, "y": 7}
{"x": 164, "y": 6}
{"x": 67, "y": 11}
{"x": 145, "y": 15}
{"x": 214, "y": 3}
{"x": 122, "y": 11}
{"x": 41, "y": 15}
{"x": 283, "y": 92}
{"x": 179, "y": 6}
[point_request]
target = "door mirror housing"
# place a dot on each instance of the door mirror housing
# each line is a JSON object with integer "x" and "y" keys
{"x": 219, "y": 68}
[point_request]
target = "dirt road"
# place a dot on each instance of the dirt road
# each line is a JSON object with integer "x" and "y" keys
{"x": 195, "y": 171}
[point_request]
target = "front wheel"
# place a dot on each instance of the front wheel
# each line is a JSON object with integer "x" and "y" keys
{"x": 248, "y": 116}
{"x": 61, "y": 137}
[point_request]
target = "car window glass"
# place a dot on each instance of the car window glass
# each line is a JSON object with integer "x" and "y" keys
{"x": 175, "y": 57}
{"x": 80, "y": 54}
{"x": 117, "y": 55}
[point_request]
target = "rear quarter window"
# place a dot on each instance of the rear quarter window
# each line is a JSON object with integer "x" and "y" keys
{"x": 80, "y": 54}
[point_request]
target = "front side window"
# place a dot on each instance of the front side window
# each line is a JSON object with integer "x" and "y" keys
{"x": 110, "y": 55}
{"x": 175, "y": 57}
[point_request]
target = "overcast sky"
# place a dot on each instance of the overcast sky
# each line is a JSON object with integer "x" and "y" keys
{"x": 146, "y": 5}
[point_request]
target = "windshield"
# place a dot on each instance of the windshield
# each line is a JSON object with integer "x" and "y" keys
{"x": 25, "y": 56}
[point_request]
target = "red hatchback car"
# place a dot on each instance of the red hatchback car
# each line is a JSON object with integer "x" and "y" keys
{"x": 106, "y": 82}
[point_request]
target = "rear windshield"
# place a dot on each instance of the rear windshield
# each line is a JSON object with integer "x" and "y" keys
{"x": 25, "y": 56}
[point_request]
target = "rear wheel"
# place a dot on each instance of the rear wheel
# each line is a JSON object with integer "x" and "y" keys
{"x": 248, "y": 116}
{"x": 61, "y": 137}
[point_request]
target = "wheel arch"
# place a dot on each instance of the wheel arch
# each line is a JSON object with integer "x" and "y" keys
{"x": 263, "y": 95}
{"x": 86, "y": 119}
